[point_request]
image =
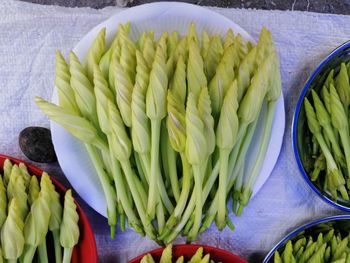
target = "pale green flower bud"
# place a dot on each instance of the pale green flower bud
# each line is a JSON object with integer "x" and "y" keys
{"x": 196, "y": 145}
{"x": 227, "y": 129}
{"x": 157, "y": 88}
{"x": 204, "y": 109}
{"x": 120, "y": 141}
{"x": 34, "y": 189}
{"x": 83, "y": 89}
{"x": 95, "y": 53}
{"x": 196, "y": 78}
{"x": 69, "y": 234}
{"x": 3, "y": 202}
{"x": 66, "y": 96}
{"x": 140, "y": 132}
{"x": 176, "y": 122}
{"x": 12, "y": 240}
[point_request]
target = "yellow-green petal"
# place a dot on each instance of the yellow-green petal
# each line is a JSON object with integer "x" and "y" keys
{"x": 157, "y": 88}
{"x": 140, "y": 132}
{"x": 12, "y": 240}
{"x": 25, "y": 174}
{"x": 178, "y": 84}
{"x": 66, "y": 96}
{"x": 128, "y": 60}
{"x": 69, "y": 232}
{"x": 251, "y": 103}
{"x": 124, "y": 87}
{"x": 37, "y": 221}
{"x": 205, "y": 43}
{"x": 103, "y": 95}
{"x": 227, "y": 129}
{"x": 3, "y": 202}
{"x": 77, "y": 126}
{"x": 15, "y": 173}
{"x": 95, "y": 53}
{"x": 204, "y": 109}
{"x": 7, "y": 167}
{"x": 19, "y": 192}
{"x": 83, "y": 89}
{"x": 229, "y": 38}
{"x": 196, "y": 144}
{"x": 213, "y": 56}
{"x": 196, "y": 78}
{"x": 176, "y": 122}
{"x": 34, "y": 189}
{"x": 120, "y": 141}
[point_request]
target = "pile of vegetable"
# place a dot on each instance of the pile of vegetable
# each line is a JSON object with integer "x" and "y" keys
{"x": 327, "y": 115}
{"x": 330, "y": 246}
{"x": 167, "y": 257}
{"x": 168, "y": 123}
{"x": 31, "y": 216}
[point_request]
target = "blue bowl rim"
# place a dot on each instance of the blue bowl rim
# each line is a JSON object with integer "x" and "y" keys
{"x": 301, "y": 228}
{"x": 295, "y": 122}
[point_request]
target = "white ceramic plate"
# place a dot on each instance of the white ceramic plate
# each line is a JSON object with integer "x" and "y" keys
{"x": 159, "y": 17}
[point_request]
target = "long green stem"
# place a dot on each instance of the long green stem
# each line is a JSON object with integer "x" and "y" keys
{"x": 164, "y": 153}
{"x": 223, "y": 160}
{"x": 209, "y": 168}
{"x": 237, "y": 192}
{"x": 107, "y": 163}
{"x": 236, "y": 160}
{"x": 145, "y": 164}
{"x": 108, "y": 189}
{"x": 161, "y": 187}
{"x": 144, "y": 160}
{"x": 198, "y": 181}
{"x": 251, "y": 178}
{"x": 335, "y": 145}
{"x": 186, "y": 186}
{"x": 67, "y": 255}
{"x": 123, "y": 197}
{"x": 57, "y": 245}
{"x": 137, "y": 198}
{"x": 153, "y": 193}
{"x": 171, "y": 234}
{"x": 42, "y": 251}
{"x": 28, "y": 254}
{"x": 141, "y": 170}
{"x": 174, "y": 181}
{"x": 141, "y": 190}
{"x": 160, "y": 216}
{"x": 11, "y": 260}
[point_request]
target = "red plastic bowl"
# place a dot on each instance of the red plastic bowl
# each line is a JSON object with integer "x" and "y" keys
{"x": 216, "y": 254}
{"x": 85, "y": 251}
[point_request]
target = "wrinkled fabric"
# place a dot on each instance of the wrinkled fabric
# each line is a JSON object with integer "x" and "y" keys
{"x": 29, "y": 36}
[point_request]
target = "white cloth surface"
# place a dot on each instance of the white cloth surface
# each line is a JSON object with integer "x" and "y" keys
{"x": 29, "y": 36}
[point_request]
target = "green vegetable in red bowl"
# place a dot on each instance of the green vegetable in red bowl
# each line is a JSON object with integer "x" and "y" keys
{"x": 36, "y": 224}
{"x": 188, "y": 253}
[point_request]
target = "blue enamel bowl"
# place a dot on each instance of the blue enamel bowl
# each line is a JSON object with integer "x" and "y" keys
{"x": 301, "y": 136}
{"x": 341, "y": 223}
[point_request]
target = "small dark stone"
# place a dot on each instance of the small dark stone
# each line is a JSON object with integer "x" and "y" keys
{"x": 36, "y": 144}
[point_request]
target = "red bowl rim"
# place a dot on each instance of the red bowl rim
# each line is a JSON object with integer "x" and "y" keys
{"x": 87, "y": 227}
{"x": 194, "y": 247}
